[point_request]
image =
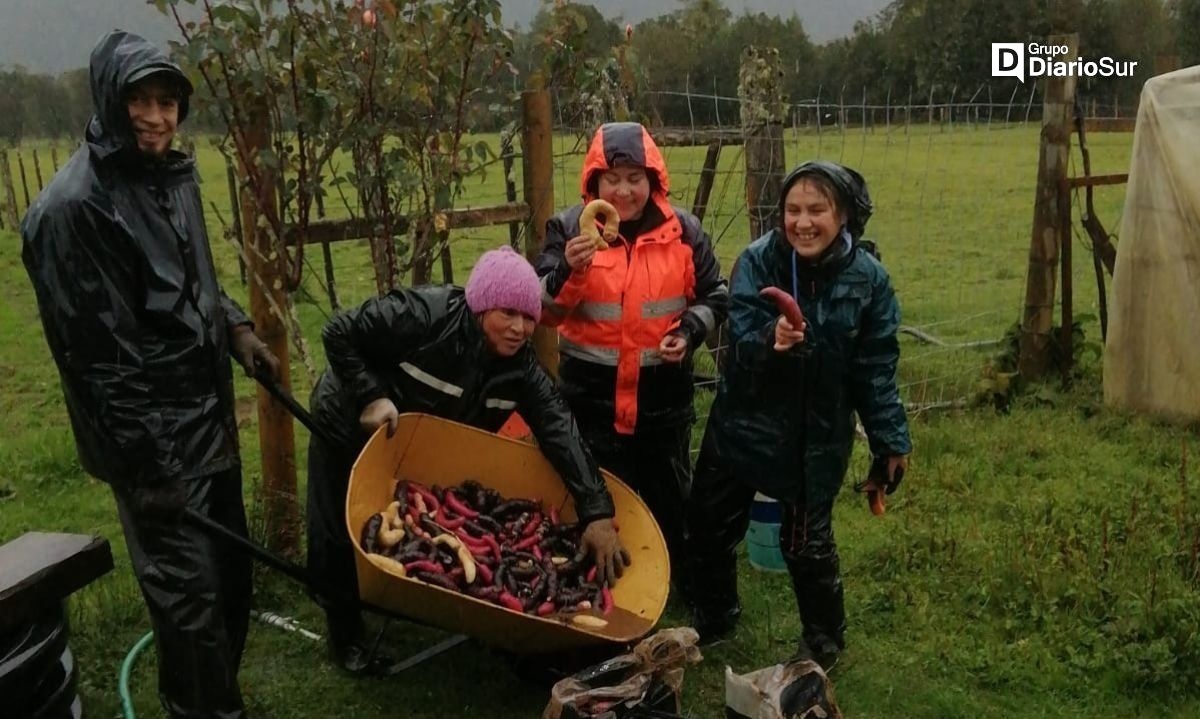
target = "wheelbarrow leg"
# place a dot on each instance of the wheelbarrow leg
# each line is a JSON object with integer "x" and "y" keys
{"x": 425, "y": 654}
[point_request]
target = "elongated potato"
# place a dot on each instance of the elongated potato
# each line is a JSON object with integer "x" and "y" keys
{"x": 612, "y": 223}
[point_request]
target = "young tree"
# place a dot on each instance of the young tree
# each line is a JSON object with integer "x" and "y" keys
{"x": 391, "y": 85}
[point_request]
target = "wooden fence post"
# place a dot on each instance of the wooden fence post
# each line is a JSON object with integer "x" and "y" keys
{"x": 235, "y": 207}
{"x": 10, "y": 194}
{"x": 1038, "y": 317}
{"x": 763, "y": 110}
{"x": 442, "y": 240}
{"x": 24, "y": 183}
{"x": 327, "y": 255}
{"x": 707, "y": 175}
{"x": 510, "y": 188}
{"x": 537, "y": 161}
{"x": 37, "y": 170}
{"x": 268, "y": 299}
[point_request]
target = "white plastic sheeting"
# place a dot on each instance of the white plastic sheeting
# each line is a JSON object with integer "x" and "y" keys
{"x": 1152, "y": 355}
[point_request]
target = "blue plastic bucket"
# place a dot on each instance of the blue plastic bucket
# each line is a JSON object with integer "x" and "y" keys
{"x": 762, "y": 538}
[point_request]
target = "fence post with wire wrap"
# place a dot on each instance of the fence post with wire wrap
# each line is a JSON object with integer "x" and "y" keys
{"x": 1048, "y": 219}
{"x": 762, "y": 113}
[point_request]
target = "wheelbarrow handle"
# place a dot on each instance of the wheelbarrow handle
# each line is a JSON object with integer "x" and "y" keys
{"x": 296, "y": 409}
{"x": 215, "y": 529}
{"x": 315, "y": 587}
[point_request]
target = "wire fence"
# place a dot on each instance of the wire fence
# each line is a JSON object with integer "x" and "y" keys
{"x": 952, "y": 176}
{"x": 953, "y": 181}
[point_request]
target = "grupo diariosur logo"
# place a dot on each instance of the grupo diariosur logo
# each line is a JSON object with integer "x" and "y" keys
{"x": 1021, "y": 60}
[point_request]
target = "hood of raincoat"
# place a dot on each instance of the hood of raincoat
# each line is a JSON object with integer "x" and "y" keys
{"x": 624, "y": 143}
{"x": 119, "y": 60}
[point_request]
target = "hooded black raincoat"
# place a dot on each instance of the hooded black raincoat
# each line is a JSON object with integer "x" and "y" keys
{"x": 119, "y": 258}
{"x": 423, "y": 349}
{"x": 120, "y": 262}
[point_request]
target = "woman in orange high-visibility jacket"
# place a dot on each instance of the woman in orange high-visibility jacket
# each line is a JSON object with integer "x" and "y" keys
{"x": 629, "y": 317}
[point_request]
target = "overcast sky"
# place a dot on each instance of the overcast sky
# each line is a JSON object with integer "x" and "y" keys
{"x": 56, "y": 35}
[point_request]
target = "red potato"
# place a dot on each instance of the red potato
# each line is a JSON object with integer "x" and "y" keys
{"x": 875, "y": 500}
{"x": 786, "y": 304}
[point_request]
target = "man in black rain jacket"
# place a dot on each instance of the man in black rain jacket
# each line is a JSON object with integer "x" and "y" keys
{"x": 142, "y": 334}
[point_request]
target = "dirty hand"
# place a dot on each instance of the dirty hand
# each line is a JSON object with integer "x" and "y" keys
{"x": 786, "y": 336}
{"x": 579, "y": 253}
{"x": 673, "y": 347}
{"x": 896, "y": 467}
{"x": 601, "y": 541}
{"x": 162, "y": 502}
{"x": 379, "y": 412}
{"x": 252, "y": 353}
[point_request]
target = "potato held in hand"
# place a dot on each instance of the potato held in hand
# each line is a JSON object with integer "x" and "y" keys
{"x": 786, "y": 304}
{"x": 587, "y": 223}
{"x": 875, "y": 501}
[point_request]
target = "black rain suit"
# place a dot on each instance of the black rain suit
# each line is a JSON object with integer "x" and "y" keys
{"x": 119, "y": 258}
{"x": 423, "y": 349}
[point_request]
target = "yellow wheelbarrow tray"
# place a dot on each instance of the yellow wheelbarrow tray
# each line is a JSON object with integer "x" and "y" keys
{"x": 431, "y": 450}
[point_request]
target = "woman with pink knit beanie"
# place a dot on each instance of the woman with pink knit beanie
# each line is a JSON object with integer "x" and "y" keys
{"x": 460, "y": 354}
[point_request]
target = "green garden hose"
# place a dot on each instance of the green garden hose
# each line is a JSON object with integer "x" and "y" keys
{"x": 126, "y": 669}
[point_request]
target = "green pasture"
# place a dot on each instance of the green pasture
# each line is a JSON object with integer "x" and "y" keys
{"x": 1040, "y": 562}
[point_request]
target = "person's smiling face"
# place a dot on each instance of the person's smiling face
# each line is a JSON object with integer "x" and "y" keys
{"x": 627, "y": 188}
{"x": 153, "y": 105}
{"x": 811, "y": 219}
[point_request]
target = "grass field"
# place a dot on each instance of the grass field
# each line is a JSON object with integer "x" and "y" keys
{"x": 1036, "y": 563}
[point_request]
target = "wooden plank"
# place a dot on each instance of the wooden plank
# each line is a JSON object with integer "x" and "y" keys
{"x": 1109, "y": 124}
{"x": 358, "y": 229}
{"x": 1097, "y": 180}
{"x": 336, "y": 231}
{"x": 675, "y": 137}
{"x": 485, "y": 216}
{"x": 40, "y": 569}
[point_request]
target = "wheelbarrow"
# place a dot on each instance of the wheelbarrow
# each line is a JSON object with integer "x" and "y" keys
{"x": 431, "y": 450}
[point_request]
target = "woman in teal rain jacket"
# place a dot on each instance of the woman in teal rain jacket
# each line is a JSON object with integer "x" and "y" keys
{"x": 783, "y": 419}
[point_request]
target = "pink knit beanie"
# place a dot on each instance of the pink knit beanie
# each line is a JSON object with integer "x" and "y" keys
{"x": 503, "y": 279}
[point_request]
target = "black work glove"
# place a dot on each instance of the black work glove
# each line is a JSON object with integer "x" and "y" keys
{"x": 162, "y": 502}
{"x": 895, "y": 467}
{"x": 885, "y": 474}
{"x": 253, "y": 354}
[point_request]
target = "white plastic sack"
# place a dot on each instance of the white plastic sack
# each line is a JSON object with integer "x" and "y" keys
{"x": 795, "y": 690}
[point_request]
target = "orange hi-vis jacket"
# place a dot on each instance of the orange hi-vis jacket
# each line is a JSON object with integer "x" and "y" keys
{"x": 615, "y": 314}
